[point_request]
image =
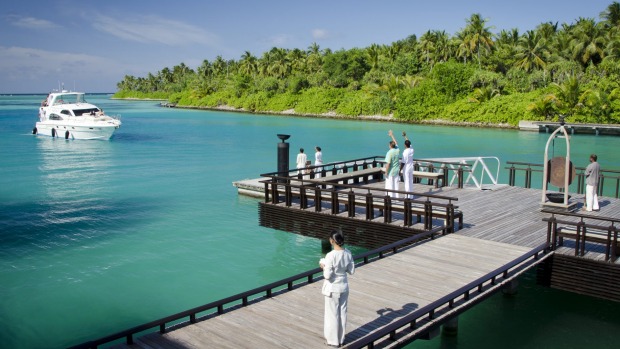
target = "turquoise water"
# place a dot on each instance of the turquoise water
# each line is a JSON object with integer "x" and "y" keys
{"x": 99, "y": 236}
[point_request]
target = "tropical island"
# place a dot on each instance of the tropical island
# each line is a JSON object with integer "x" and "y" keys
{"x": 474, "y": 77}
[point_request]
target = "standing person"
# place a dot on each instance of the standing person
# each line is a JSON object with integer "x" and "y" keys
{"x": 301, "y": 161}
{"x": 318, "y": 160}
{"x": 392, "y": 167}
{"x": 592, "y": 174}
{"x": 408, "y": 168}
{"x": 336, "y": 264}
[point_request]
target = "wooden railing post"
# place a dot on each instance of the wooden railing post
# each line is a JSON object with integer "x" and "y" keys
{"x": 408, "y": 219}
{"x": 450, "y": 218}
{"x": 460, "y": 175}
{"x": 580, "y": 229}
{"x": 528, "y": 177}
{"x": 288, "y": 195}
{"x": 511, "y": 175}
{"x": 303, "y": 198}
{"x": 274, "y": 191}
{"x": 387, "y": 209}
{"x": 335, "y": 204}
{"x": 351, "y": 203}
{"x": 317, "y": 199}
{"x": 428, "y": 213}
{"x": 370, "y": 211}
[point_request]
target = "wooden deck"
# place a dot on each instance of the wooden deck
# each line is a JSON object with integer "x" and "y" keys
{"x": 381, "y": 292}
{"x": 501, "y": 226}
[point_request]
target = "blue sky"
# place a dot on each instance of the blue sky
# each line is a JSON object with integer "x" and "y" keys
{"x": 91, "y": 45}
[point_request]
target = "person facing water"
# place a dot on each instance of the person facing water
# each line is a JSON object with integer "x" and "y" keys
{"x": 318, "y": 160}
{"x": 392, "y": 167}
{"x": 301, "y": 161}
{"x": 336, "y": 265}
{"x": 408, "y": 166}
{"x": 592, "y": 174}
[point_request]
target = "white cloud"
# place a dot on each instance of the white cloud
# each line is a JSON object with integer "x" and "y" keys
{"x": 43, "y": 69}
{"x": 154, "y": 29}
{"x": 318, "y": 34}
{"x": 280, "y": 40}
{"x": 31, "y": 22}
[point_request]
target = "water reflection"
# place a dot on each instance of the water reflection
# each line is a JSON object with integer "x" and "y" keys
{"x": 74, "y": 176}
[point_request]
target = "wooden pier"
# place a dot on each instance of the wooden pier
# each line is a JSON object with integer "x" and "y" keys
{"x": 403, "y": 291}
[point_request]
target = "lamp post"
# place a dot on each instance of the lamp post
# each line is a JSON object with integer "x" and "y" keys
{"x": 283, "y": 152}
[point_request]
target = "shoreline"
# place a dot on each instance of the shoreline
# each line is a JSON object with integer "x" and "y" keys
{"x": 333, "y": 115}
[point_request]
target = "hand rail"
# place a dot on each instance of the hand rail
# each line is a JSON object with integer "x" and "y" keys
{"x": 464, "y": 293}
{"x": 581, "y": 228}
{"x": 609, "y": 175}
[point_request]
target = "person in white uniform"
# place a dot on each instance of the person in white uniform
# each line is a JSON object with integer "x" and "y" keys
{"x": 392, "y": 167}
{"x": 318, "y": 160}
{"x": 408, "y": 166}
{"x": 301, "y": 161}
{"x": 592, "y": 173}
{"x": 336, "y": 265}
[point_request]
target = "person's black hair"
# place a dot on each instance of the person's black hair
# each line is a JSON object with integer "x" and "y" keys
{"x": 318, "y": 148}
{"x": 301, "y": 150}
{"x": 593, "y": 157}
{"x": 407, "y": 143}
{"x": 337, "y": 237}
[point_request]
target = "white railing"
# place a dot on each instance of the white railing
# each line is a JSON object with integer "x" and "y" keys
{"x": 478, "y": 166}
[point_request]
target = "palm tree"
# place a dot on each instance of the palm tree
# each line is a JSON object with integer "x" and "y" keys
{"x": 373, "y": 55}
{"x": 315, "y": 59}
{"x": 484, "y": 93}
{"x": 547, "y": 30}
{"x": 568, "y": 95}
{"x": 443, "y": 47}
{"x": 589, "y": 42}
{"x": 611, "y": 15}
{"x": 478, "y": 37}
{"x": 462, "y": 48}
{"x": 545, "y": 107}
{"x": 297, "y": 59}
{"x": 532, "y": 51}
{"x": 427, "y": 46}
{"x": 248, "y": 64}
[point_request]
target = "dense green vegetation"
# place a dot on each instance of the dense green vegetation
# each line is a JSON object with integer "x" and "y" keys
{"x": 473, "y": 76}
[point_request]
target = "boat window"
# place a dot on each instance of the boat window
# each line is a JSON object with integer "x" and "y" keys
{"x": 86, "y": 111}
{"x": 55, "y": 116}
{"x": 66, "y": 112}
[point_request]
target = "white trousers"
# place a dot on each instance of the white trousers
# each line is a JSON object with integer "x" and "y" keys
{"x": 391, "y": 183}
{"x": 335, "y": 317}
{"x": 591, "y": 198}
{"x": 317, "y": 171}
{"x": 408, "y": 177}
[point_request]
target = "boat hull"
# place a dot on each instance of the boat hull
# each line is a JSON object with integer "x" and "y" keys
{"x": 102, "y": 132}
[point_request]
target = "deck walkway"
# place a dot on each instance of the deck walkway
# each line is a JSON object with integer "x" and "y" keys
{"x": 501, "y": 225}
{"x": 381, "y": 292}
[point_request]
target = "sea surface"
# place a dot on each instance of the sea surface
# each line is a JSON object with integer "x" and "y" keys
{"x": 100, "y": 236}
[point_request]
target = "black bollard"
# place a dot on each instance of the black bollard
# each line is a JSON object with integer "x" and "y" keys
{"x": 283, "y": 155}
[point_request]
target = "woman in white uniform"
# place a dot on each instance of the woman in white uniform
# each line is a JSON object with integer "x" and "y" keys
{"x": 318, "y": 160}
{"x": 336, "y": 265}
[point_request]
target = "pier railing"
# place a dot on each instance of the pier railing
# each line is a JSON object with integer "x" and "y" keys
{"x": 609, "y": 180}
{"x": 452, "y": 171}
{"x": 583, "y": 228}
{"x": 243, "y": 299}
{"x": 420, "y": 322}
{"x": 347, "y": 197}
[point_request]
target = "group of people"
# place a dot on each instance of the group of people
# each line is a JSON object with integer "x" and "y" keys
{"x": 392, "y": 166}
{"x": 302, "y": 161}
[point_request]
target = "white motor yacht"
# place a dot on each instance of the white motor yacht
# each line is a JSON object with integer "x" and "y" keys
{"x": 67, "y": 115}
